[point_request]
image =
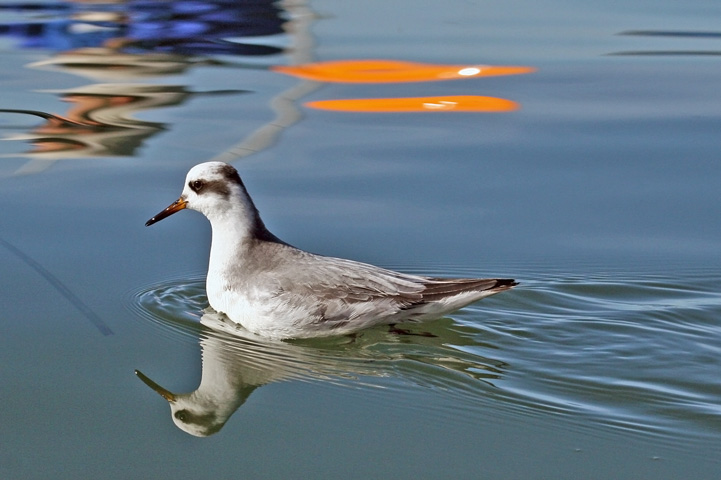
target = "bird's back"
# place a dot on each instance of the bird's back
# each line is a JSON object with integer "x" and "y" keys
{"x": 299, "y": 294}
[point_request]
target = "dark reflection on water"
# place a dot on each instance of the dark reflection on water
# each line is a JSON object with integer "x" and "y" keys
{"x": 235, "y": 362}
{"x": 668, "y": 53}
{"x": 59, "y": 286}
{"x": 670, "y": 34}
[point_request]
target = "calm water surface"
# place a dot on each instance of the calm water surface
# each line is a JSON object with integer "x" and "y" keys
{"x": 599, "y": 193}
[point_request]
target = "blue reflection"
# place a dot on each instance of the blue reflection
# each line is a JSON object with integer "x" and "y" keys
{"x": 181, "y": 27}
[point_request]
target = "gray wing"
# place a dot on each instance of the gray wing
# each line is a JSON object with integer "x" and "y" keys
{"x": 341, "y": 290}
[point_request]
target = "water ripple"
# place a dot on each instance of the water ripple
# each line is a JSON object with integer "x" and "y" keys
{"x": 636, "y": 352}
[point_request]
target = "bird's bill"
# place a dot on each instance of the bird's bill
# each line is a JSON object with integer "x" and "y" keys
{"x": 166, "y": 394}
{"x": 176, "y": 206}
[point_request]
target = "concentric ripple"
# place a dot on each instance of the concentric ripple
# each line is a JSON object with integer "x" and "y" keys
{"x": 174, "y": 307}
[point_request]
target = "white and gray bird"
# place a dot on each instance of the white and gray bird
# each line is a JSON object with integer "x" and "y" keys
{"x": 278, "y": 291}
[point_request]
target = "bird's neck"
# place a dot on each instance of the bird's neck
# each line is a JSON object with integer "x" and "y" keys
{"x": 233, "y": 233}
{"x": 235, "y": 230}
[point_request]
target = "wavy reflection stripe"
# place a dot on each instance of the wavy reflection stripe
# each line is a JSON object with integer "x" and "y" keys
{"x": 392, "y": 71}
{"x": 453, "y": 103}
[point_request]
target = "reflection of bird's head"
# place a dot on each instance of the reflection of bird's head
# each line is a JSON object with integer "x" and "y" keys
{"x": 191, "y": 418}
{"x": 191, "y": 412}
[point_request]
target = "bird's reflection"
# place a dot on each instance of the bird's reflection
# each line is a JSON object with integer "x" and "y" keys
{"x": 235, "y": 363}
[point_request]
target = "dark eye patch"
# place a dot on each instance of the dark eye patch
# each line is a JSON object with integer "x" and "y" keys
{"x": 205, "y": 187}
{"x": 208, "y": 422}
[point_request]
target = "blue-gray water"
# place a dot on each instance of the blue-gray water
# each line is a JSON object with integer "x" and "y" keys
{"x": 600, "y": 195}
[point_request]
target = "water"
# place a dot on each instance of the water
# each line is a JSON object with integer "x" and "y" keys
{"x": 599, "y": 195}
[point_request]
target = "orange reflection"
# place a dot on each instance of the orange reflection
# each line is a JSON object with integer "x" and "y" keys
{"x": 100, "y": 121}
{"x": 388, "y": 71}
{"x": 457, "y": 103}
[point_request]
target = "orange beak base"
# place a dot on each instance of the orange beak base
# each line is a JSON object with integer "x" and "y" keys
{"x": 169, "y": 396}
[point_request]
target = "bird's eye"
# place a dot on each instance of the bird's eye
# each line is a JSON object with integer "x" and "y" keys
{"x": 196, "y": 185}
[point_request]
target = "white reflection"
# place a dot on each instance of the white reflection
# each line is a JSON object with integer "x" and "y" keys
{"x": 469, "y": 71}
{"x": 442, "y": 105}
{"x": 236, "y": 362}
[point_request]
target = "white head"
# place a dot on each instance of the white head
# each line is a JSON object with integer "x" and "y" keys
{"x": 216, "y": 190}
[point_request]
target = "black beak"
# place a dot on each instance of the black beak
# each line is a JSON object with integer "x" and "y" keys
{"x": 176, "y": 206}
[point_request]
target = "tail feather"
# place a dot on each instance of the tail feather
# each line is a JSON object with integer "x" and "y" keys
{"x": 440, "y": 288}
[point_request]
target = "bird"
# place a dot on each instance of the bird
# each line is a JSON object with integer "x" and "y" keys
{"x": 278, "y": 291}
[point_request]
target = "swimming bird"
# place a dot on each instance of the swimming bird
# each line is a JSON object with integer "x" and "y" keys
{"x": 278, "y": 291}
